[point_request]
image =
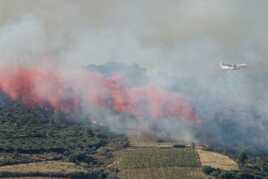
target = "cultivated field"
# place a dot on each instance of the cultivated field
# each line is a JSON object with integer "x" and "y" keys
{"x": 217, "y": 160}
{"x": 43, "y": 167}
{"x": 162, "y": 173}
{"x": 157, "y": 163}
{"x": 158, "y": 157}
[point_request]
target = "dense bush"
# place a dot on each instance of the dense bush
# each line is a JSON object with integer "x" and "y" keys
{"x": 37, "y": 130}
{"x": 237, "y": 174}
{"x": 242, "y": 174}
{"x": 82, "y": 157}
{"x": 32, "y": 134}
{"x": 208, "y": 170}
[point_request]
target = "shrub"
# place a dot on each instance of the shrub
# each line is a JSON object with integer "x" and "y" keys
{"x": 82, "y": 157}
{"x": 208, "y": 170}
{"x": 228, "y": 175}
{"x": 242, "y": 158}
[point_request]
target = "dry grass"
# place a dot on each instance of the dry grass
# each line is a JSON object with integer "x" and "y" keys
{"x": 217, "y": 160}
{"x": 45, "y": 167}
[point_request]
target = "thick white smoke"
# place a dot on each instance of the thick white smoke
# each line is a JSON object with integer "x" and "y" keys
{"x": 179, "y": 42}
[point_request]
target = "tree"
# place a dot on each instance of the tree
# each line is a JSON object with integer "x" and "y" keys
{"x": 242, "y": 159}
{"x": 207, "y": 170}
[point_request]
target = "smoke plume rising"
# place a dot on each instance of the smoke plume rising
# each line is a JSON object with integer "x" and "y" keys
{"x": 179, "y": 43}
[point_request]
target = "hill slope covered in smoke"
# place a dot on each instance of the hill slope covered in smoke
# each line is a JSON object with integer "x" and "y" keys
{"x": 179, "y": 43}
{"x": 228, "y": 121}
{"x": 37, "y": 134}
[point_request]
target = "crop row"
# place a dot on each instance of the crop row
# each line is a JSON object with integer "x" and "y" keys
{"x": 162, "y": 173}
{"x": 148, "y": 158}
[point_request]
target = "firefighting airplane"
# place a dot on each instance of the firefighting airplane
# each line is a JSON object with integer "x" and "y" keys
{"x": 226, "y": 66}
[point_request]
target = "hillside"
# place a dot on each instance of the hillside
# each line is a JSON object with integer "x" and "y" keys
{"x": 39, "y": 134}
{"x": 40, "y": 142}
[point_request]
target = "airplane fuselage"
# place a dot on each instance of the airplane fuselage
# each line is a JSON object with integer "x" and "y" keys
{"x": 232, "y": 66}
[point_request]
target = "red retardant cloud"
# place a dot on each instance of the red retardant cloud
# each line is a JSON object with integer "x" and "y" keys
{"x": 37, "y": 86}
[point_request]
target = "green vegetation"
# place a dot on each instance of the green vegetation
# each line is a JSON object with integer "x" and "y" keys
{"x": 23, "y": 130}
{"x": 208, "y": 170}
{"x": 157, "y": 157}
{"x": 150, "y": 163}
{"x": 242, "y": 159}
{"x": 34, "y": 134}
{"x": 162, "y": 173}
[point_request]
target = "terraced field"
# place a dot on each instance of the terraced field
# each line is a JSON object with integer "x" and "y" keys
{"x": 157, "y": 163}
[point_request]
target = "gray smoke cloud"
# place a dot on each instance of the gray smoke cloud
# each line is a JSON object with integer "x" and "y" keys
{"x": 179, "y": 42}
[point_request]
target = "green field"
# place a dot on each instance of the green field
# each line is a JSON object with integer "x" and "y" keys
{"x": 155, "y": 157}
{"x": 162, "y": 173}
{"x": 155, "y": 163}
